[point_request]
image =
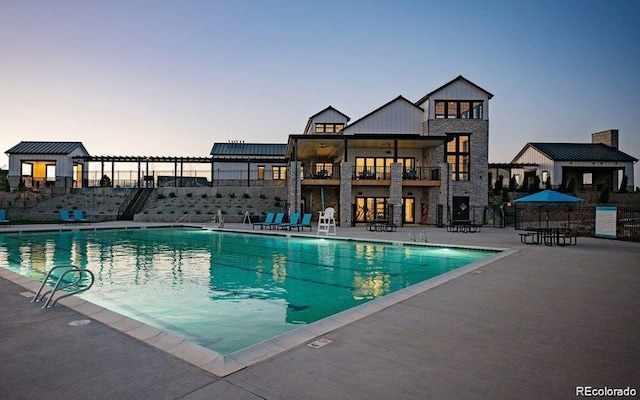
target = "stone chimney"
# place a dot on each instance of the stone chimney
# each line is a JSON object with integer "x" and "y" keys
{"x": 610, "y": 138}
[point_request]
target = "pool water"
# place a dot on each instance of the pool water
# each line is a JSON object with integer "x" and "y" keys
{"x": 227, "y": 291}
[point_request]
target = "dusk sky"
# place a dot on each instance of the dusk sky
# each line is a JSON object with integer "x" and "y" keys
{"x": 173, "y": 77}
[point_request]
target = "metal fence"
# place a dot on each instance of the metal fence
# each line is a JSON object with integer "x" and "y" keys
{"x": 581, "y": 219}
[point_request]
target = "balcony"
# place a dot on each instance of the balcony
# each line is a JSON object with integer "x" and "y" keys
{"x": 321, "y": 175}
{"x": 419, "y": 176}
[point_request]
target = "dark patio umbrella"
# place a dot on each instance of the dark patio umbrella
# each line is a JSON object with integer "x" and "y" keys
{"x": 549, "y": 197}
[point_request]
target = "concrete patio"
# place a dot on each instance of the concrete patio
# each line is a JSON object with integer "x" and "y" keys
{"x": 537, "y": 323}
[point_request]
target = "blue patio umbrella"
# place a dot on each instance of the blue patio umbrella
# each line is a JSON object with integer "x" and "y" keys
{"x": 548, "y": 197}
{"x": 322, "y": 197}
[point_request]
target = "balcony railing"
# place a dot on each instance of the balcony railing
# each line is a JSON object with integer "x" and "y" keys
{"x": 321, "y": 171}
{"x": 418, "y": 173}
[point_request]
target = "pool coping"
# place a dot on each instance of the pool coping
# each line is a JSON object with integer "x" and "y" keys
{"x": 221, "y": 365}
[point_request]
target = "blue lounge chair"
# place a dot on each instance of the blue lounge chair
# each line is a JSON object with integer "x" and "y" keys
{"x": 3, "y": 219}
{"x": 305, "y": 223}
{"x": 79, "y": 217}
{"x": 268, "y": 220}
{"x": 65, "y": 218}
{"x": 293, "y": 220}
{"x": 277, "y": 221}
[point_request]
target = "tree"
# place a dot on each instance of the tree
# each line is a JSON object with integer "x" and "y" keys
{"x": 512, "y": 184}
{"x": 623, "y": 184}
{"x": 498, "y": 188}
{"x": 105, "y": 181}
{"x": 604, "y": 193}
{"x": 571, "y": 187}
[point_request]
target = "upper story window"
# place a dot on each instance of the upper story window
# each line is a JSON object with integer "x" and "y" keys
{"x": 460, "y": 109}
{"x": 458, "y": 157}
{"x": 328, "y": 128}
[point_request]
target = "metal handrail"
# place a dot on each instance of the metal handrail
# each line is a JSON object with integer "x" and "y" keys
{"x": 79, "y": 287}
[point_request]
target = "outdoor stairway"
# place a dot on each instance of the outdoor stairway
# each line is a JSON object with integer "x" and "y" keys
{"x": 135, "y": 205}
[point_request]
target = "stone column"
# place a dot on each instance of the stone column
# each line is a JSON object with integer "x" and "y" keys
{"x": 345, "y": 215}
{"x": 294, "y": 187}
{"x": 14, "y": 182}
{"x": 395, "y": 193}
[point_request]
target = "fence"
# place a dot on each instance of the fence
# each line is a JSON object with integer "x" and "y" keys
{"x": 580, "y": 218}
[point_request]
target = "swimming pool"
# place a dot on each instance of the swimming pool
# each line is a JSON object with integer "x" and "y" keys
{"x": 226, "y": 291}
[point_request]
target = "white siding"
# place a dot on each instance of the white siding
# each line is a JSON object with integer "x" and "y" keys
{"x": 397, "y": 117}
{"x": 330, "y": 116}
{"x": 458, "y": 90}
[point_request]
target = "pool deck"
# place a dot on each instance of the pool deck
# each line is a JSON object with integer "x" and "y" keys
{"x": 535, "y": 323}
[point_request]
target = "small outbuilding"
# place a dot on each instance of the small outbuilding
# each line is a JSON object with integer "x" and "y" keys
{"x": 57, "y": 165}
{"x": 591, "y": 164}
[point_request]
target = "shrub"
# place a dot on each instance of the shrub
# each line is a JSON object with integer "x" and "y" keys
{"x": 218, "y": 195}
{"x": 262, "y": 196}
{"x": 172, "y": 195}
{"x": 189, "y": 194}
{"x": 232, "y": 195}
{"x": 161, "y": 196}
{"x": 246, "y": 196}
{"x": 204, "y": 195}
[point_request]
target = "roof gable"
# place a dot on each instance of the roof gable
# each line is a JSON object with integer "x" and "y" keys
{"x": 326, "y": 110}
{"x": 397, "y": 102}
{"x": 47, "y": 148}
{"x": 578, "y": 152}
{"x": 460, "y": 78}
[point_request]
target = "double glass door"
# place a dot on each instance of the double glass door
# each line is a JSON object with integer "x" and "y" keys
{"x": 373, "y": 208}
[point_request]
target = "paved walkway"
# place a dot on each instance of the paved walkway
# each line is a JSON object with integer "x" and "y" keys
{"x": 534, "y": 324}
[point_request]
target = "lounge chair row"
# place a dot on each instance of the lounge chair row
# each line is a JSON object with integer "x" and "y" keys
{"x": 78, "y": 217}
{"x": 274, "y": 221}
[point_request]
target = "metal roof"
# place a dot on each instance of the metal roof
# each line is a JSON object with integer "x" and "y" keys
{"x": 581, "y": 152}
{"x": 249, "y": 149}
{"x": 46, "y": 148}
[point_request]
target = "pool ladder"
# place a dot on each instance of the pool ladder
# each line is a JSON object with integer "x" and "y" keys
{"x": 77, "y": 285}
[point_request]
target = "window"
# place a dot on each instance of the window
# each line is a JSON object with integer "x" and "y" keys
{"x": 27, "y": 169}
{"x": 261, "y": 172}
{"x": 458, "y": 157}
{"x": 328, "y": 128}
{"x": 279, "y": 173}
{"x": 464, "y": 109}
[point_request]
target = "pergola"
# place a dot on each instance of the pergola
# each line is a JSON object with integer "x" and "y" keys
{"x": 178, "y": 162}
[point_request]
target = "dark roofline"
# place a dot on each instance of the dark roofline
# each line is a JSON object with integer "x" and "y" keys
{"x": 380, "y": 108}
{"x": 458, "y": 78}
{"x": 33, "y": 142}
{"x": 320, "y": 112}
{"x": 535, "y": 146}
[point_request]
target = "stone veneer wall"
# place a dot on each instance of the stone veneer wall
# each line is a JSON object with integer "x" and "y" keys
{"x": 477, "y": 188}
{"x": 345, "y": 213}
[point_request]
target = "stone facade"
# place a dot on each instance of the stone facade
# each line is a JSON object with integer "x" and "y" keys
{"x": 477, "y": 187}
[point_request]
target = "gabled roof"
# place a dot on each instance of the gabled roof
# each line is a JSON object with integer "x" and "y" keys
{"x": 459, "y": 78}
{"x": 579, "y": 152}
{"x": 330, "y": 108}
{"x": 380, "y": 108}
{"x": 249, "y": 149}
{"x": 46, "y": 148}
